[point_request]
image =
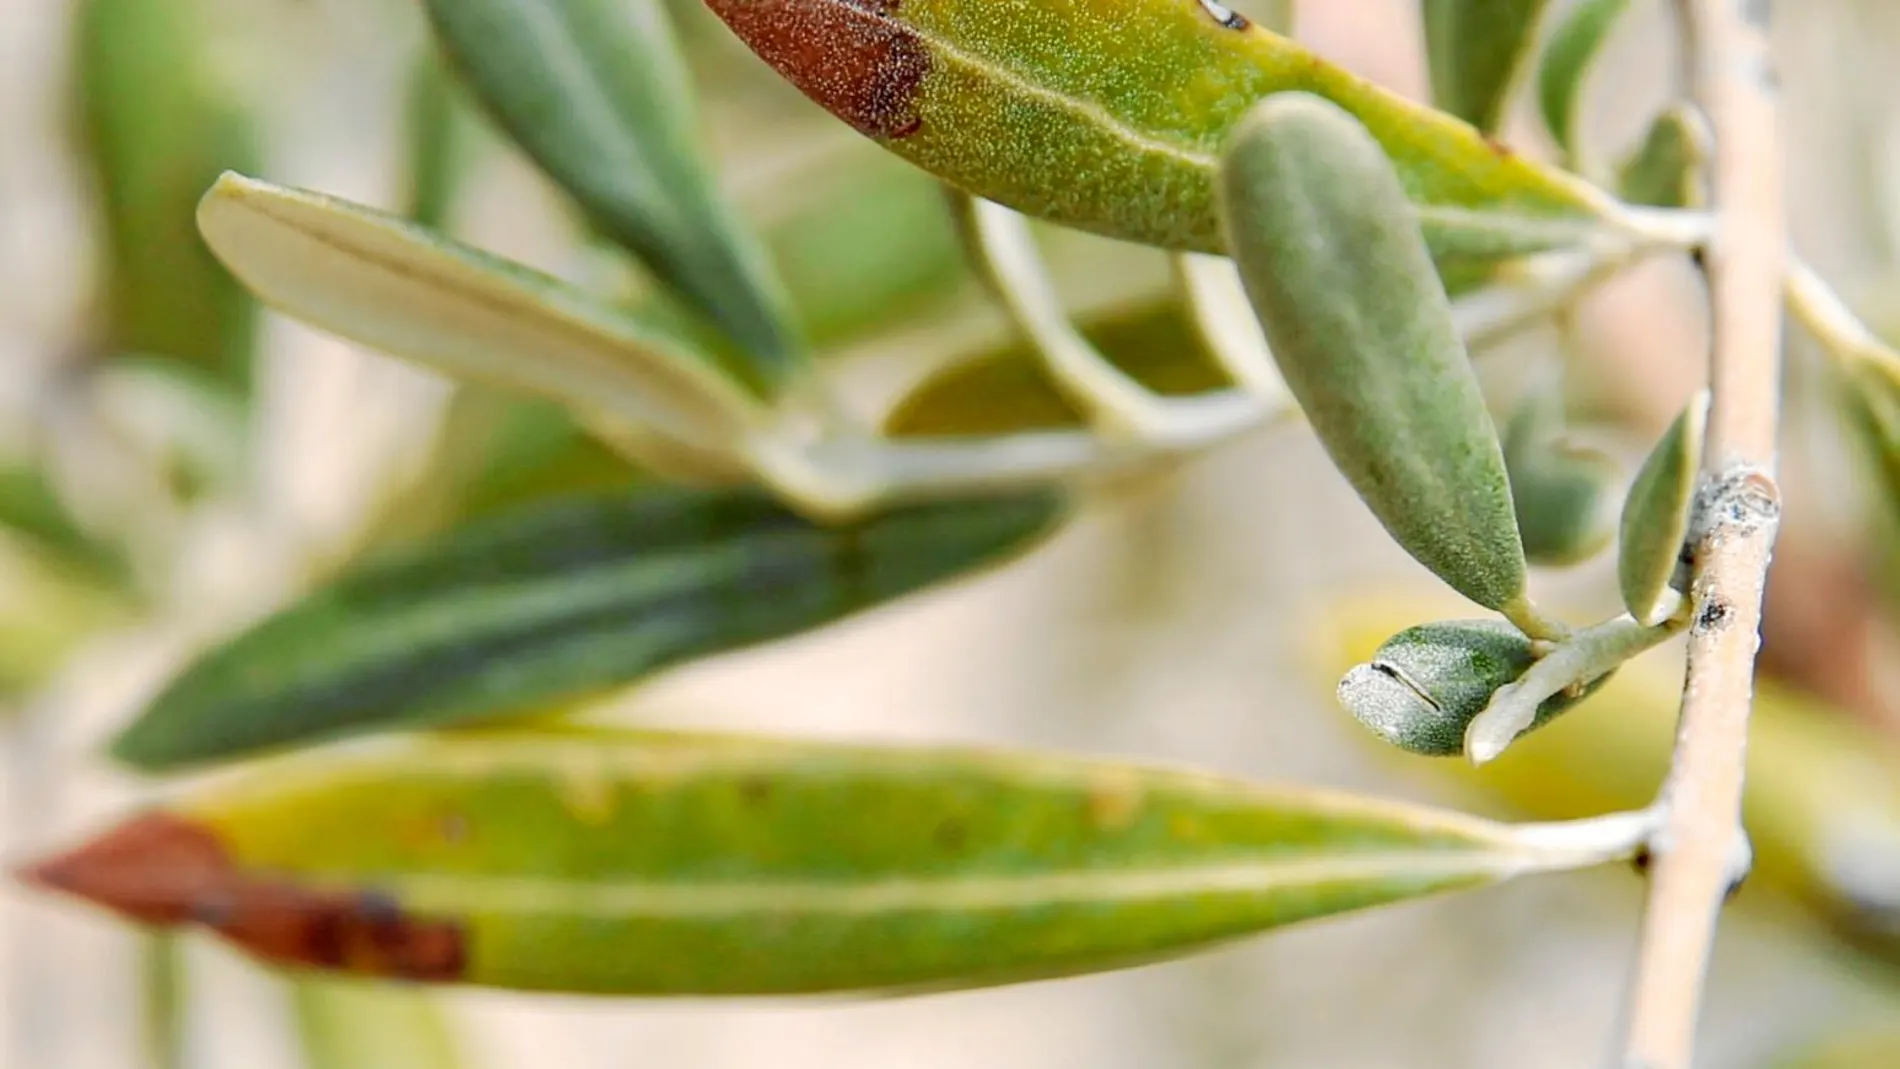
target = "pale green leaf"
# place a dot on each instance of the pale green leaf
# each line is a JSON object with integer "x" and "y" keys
{"x": 393, "y": 286}
{"x": 1565, "y": 494}
{"x": 1363, "y": 332}
{"x": 638, "y": 863}
{"x": 1426, "y": 684}
{"x": 596, "y": 91}
{"x": 1656, "y": 516}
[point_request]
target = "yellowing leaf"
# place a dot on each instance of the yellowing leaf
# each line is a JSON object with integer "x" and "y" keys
{"x": 638, "y": 863}
{"x": 1109, "y": 115}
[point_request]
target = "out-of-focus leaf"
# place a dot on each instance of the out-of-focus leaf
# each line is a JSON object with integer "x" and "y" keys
{"x": 1424, "y": 685}
{"x": 1561, "y": 72}
{"x": 47, "y": 610}
{"x": 1877, "y": 1047}
{"x": 1109, "y": 115}
{"x": 1656, "y": 516}
{"x": 438, "y": 145}
{"x": 351, "y": 1025}
{"x": 163, "y": 1000}
{"x": 1564, "y": 494}
{"x": 1868, "y": 393}
{"x": 1474, "y": 49}
{"x": 31, "y": 510}
{"x": 596, "y": 92}
{"x": 639, "y": 863}
{"x": 1007, "y": 391}
{"x": 876, "y": 245}
{"x": 156, "y": 127}
{"x": 560, "y": 601}
{"x": 1363, "y": 332}
{"x": 385, "y": 283}
{"x": 1665, "y": 171}
{"x": 1823, "y": 801}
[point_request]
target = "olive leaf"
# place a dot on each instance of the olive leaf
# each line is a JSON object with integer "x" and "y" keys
{"x": 385, "y": 283}
{"x": 1822, "y": 807}
{"x": 1363, "y": 333}
{"x": 597, "y": 92}
{"x": 439, "y": 150}
{"x": 1656, "y": 515}
{"x": 1665, "y": 171}
{"x": 344, "y": 1024}
{"x": 1110, "y": 116}
{"x": 1474, "y": 50}
{"x": 642, "y": 863}
{"x": 1425, "y": 685}
{"x": 1565, "y": 65}
{"x": 557, "y": 602}
{"x": 156, "y": 126}
{"x": 1565, "y": 495}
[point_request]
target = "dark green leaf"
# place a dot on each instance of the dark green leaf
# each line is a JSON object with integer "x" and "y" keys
{"x": 1475, "y": 49}
{"x": 559, "y": 602}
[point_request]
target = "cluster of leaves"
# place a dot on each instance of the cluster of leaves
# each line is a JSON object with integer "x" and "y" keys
{"x": 1374, "y": 242}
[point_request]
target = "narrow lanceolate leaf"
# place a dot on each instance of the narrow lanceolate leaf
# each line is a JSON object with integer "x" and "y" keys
{"x": 156, "y": 126}
{"x": 558, "y": 602}
{"x": 1475, "y": 49}
{"x": 597, "y": 93}
{"x": 1565, "y": 494}
{"x": 438, "y": 134}
{"x": 1363, "y": 333}
{"x": 1565, "y": 65}
{"x": 638, "y": 863}
{"x": 1665, "y": 171}
{"x": 1656, "y": 516}
{"x": 1109, "y": 115}
{"x": 1426, "y": 684}
{"x": 390, "y": 285}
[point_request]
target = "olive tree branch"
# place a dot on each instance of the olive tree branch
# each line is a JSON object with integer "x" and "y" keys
{"x": 1700, "y": 849}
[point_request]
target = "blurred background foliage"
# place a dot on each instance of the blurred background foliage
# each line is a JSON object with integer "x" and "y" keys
{"x": 173, "y": 462}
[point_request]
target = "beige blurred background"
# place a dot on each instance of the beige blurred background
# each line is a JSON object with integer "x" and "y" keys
{"x": 1172, "y": 625}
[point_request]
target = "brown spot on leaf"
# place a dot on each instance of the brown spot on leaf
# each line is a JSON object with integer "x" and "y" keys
{"x": 161, "y": 869}
{"x": 856, "y": 58}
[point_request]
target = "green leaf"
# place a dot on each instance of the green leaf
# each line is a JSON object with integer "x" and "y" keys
{"x": 1665, "y": 171}
{"x": 1656, "y": 515}
{"x": 1566, "y": 63}
{"x": 1364, "y": 335}
{"x": 385, "y": 283}
{"x": 32, "y": 510}
{"x": 638, "y": 863}
{"x": 1474, "y": 49}
{"x": 1109, "y": 115}
{"x": 439, "y": 133}
{"x": 155, "y": 127}
{"x": 1006, "y": 391}
{"x": 559, "y": 602}
{"x": 1565, "y": 495}
{"x": 1426, "y": 684}
{"x": 597, "y": 93}
{"x": 351, "y": 1025}
{"x": 1875, "y": 1046}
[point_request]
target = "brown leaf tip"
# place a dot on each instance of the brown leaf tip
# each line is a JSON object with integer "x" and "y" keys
{"x": 855, "y": 58}
{"x": 161, "y": 869}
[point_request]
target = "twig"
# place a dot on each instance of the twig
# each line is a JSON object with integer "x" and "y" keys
{"x": 1699, "y": 845}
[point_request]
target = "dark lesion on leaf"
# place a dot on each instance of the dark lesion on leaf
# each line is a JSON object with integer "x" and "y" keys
{"x": 858, "y": 59}
{"x": 162, "y": 869}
